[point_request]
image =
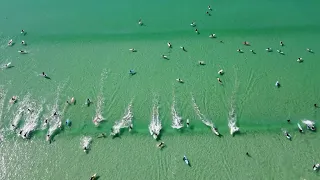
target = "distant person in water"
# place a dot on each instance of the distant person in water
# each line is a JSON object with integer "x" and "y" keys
{"x": 44, "y": 74}
{"x": 281, "y": 43}
{"x": 315, "y": 105}
{"x": 288, "y": 121}
{"x": 88, "y": 102}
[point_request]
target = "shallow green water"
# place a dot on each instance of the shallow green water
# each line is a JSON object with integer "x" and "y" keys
{"x": 83, "y": 47}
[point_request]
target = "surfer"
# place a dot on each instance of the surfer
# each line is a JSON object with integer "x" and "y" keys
{"x": 22, "y": 52}
{"x": 209, "y": 7}
{"x": 180, "y": 80}
{"x": 281, "y": 43}
{"x": 182, "y": 48}
{"x": 219, "y": 80}
{"x": 193, "y": 24}
{"x": 277, "y": 84}
{"x": 30, "y": 111}
{"x": 196, "y": 30}
{"x": 55, "y": 114}
{"x": 251, "y": 50}
{"x": 165, "y": 57}
{"x": 169, "y": 45}
{"x": 13, "y": 99}
{"x": 208, "y": 13}
{"x": 102, "y": 135}
{"x": 309, "y": 50}
{"x": 188, "y": 123}
{"x": 133, "y": 50}
{"x": 23, "y": 32}
{"x": 268, "y": 49}
{"x": 212, "y": 35}
{"x": 299, "y": 60}
{"x": 10, "y": 42}
{"x": 280, "y": 52}
{"x": 132, "y": 72}
{"x": 202, "y": 63}
{"x": 23, "y": 42}
{"x": 130, "y": 127}
{"x": 140, "y": 22}
{"x": 239, "y": 50}
{"x": 221, "y": 72}
{"x": 160, "y": 145}
{"x": 93, "y": 177}
{"x": 315, "y": 105}
{"x": 44, "y": 74}
{"x": 246, "y": 43}
{"x": 88, "y": 102}
{"x": 72, "y": 100}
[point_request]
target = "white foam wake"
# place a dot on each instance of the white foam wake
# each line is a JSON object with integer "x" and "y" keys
{"x": 202, "y": 117}
{"x": 85, "y": 143}
{"x": 100, "y": 100}
{"x": 124, "y": 122}
{"x": 232, "y": 120}
{"x": 155, "y": 125}
{"x": 32, "y": 119}
{"x": 176, "y": 119}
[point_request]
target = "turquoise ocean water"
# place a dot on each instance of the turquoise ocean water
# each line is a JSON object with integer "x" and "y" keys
{"x": 83, "y": 46}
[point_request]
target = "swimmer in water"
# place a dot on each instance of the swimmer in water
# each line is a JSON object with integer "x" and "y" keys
{"x": 309, "y": 50}
{"x": 165, "y": 57}
{"x": 219, "y": 80}
{"x": 281, "y": 43}
{"x": 299, "y": 60}
{"x": 193, "y": 24}
{"x": 140, "y": 22}
{"x": 212, "y": 36}
{"x": 23, "y": 42}
{"x": 269, "y": 50}
{"x": 22, "y": 52}
{"x": 208, "y": 13}
{"x": 180, "y": 80}
{"x": 169, "y": 45}
{"x": 209, "y": 7}
{"x": 88, "y": 102}
{"x": 196, "y": 30}
{"x": 239, "y": 50}
{"x": 55, "y": 114}
{"x": 23, "y": 32}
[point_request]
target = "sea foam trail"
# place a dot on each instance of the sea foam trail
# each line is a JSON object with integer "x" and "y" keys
{"x": 155, "y": 125}
{"x": 54, "y": 118}
{"x": 176, "y": 119}
{"x": 3, "y": 94}
{"x": 32, "y": 119}
{"x": 232, "y": 120}
{"x": 124, "y": 122}
{"x": 22, "y": 107}
{"x": 202, "y": 117}
{"x": 100, "y": 101}
{"x": 85, "y": 143}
